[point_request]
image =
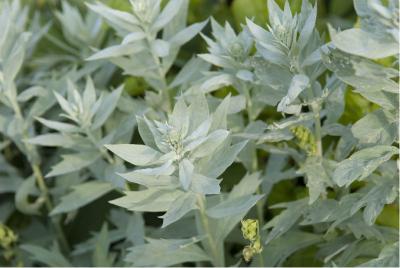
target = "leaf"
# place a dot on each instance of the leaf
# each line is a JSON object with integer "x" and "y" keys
{"x": 14, "y": 61}
{"x": 234, "y": 206}
{"x": 166, "y": 252}
{"x": 193, "y": 68}
{"x": 246, "y": 187}
{"x": 179, "y": 208}
{"x": 366, "y": 76}
{"x": 133, "y": 37}
{"x": 160, "y": 48}
{"x": 145, "y": 132}
{"x": 120, "y": 19}
{"x": 280, "y": 249}
{"x": 219, "y": 117}
{"x": 389, "y": 257}
{"x": 286, "y": 219}
{"x": 220, "y": 62}
{"x": 385, "y": 192}
{"x": 62, "y": 102}
{"x": 152, "y": 177}
{"x": 51, "y": 140}
{"x": 317, "y": 178}
{"x": 150, "y": 200}
{"x": 117, "y": 51}
{"x": 28, "y": 94}
{"x": 185, "y": 35}
{"x": 52, "y": 257}
{"x": 204, "y": 185}
{"x": 62, "y": 127}
{"x": 9, "y": 184}
{"x": 107, "y": 106}
{"x": 89, "y": 94}
{"x": 362, "y": 163}
{"x": 374, "y": 129}
{"x": 213, "y": 166}
{"x": 82, "y": 195}
{"x": 167, "y": 14}
{"x": 73, "y": 162}
{"x": 101, "y": 256}
{"x": 362, "y": 43}
{"x": 180, "y": 117}
{"x": 216, "y": 82}
{"x": 186, "y": 172}
{"x": 299, "y": 83}
{"x": 308, "y": 28}
{"x": 136, "y": 154}
{"x": 213, "y": 141}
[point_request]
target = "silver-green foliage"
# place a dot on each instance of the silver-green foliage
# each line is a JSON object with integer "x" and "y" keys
{"x": 178, "y": 150}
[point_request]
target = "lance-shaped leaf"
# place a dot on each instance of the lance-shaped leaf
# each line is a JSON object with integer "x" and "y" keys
{"x": 62, "y": 127}
{"x": 246, "y": 187}
{"x": 362, "y": 163}
{"x": 150, "y": 200}
{"x": 120, "y": 19}
{"x": 317, "y": 178}
{"x": 299, "y": 83}
{"x": 51, "y": 257}
{"x": 136, "y": 154}
{"x": 166, "y": 252}
{"x": 73, "y": 162}
{"x": 385, "y": 192}
{"x": 168, "y": 13}
{"x": 52, "y": 139}
{"x": 362, "y": 43}
{"x": 286, "y": 219}
{"x": 179, "y": 208}
{"x": 82, "y": 195}
{"x": 389, "y": 257}
{"x": 187, "y": 34}
{"x": 106, "y": 107}
{"x": 234, "y": 206}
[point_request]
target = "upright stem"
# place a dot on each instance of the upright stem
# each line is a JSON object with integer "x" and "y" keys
{"x": 161, "y": 73}
{"x": 254, "y": 163}
{"x": 45, "y": 192}
{"x": 95, "y": 142}
{"x": 42, "y": 185}
{"x": 40, "y": 181}
{"x": 315, "y": 108}
{"x": 206, "y": 228}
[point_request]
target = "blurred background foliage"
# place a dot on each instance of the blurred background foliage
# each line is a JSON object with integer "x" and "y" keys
{"x": 338, "y": 13}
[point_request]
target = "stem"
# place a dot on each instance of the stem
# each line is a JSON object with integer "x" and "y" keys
{"x": 206, "y": 228}
{"x": 315, "y": 108}
{"x": 95, "y": 142}
{"x": 45, "y": 192}
{"x": 42, "y": 185}
{"x": 161, "y": 73}
{"x": 40, "y": 179}
{"x": 254, "y": 166}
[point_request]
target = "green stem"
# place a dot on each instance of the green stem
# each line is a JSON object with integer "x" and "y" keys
{"x": 40, "y": 180}
{"x": 103, "y": 151}
{"x": 45, "y": 193}
{"x": 254, "y": 167}
{"x": 315, "y": 108}
{"x": 206, "y": 228}
{"x": 161, "y": 73}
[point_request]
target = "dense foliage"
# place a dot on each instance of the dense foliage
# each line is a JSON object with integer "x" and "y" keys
{"x": 146, "y": 133}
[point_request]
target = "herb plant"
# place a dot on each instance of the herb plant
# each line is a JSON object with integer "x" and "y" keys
{"x": 130, "y": 137}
